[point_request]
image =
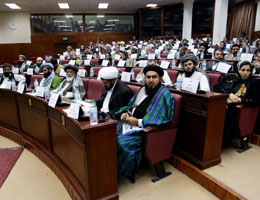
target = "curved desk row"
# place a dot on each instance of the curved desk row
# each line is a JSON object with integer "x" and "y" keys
{"x": 84, "y": 157}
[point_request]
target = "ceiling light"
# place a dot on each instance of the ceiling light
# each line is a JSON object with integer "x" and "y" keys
{"x": 12, "y": 6}
{"x": 63, "y": 5}
{"x": 113, "y": 20}
{"x": 69, "y": 16}
{"x": 59, "y": 21}
{"x": 151, "y": 5}
{"x": 100, "y": 16}
{"x": 92, "y": 22}
{"x": 102, "y": 5}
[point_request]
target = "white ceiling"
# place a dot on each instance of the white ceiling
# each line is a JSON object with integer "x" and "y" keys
{"x": 81, "y": 6}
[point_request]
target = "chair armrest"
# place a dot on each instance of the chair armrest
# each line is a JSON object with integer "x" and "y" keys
{"x": 151, "y": 129}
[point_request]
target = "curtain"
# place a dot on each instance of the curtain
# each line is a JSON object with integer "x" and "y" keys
{"x": 243, "y": 20}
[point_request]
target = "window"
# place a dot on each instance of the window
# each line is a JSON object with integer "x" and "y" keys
{"x": 109, "y": 23}
{"x": 151, "y": 22}
{"x": 57, "y": 23}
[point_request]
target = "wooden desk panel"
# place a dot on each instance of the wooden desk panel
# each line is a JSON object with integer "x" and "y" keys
{"x": 9, "y": 116}
{"x": 34, "y": 118}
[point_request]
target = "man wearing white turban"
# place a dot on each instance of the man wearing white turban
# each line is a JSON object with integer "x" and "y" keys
{"x": 116, "y": 94}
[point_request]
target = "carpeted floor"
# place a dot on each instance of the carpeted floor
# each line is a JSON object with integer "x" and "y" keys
{"x": 8, "y": 158}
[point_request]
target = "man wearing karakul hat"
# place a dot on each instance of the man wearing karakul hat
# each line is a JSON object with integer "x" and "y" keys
{"x": 153, "y": 105}
{"x": 116, "y": 94}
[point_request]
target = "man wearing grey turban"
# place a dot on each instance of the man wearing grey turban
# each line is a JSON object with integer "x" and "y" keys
{"x": 189, "y": 63}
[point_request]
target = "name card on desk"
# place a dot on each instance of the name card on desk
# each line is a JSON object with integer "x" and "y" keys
{"x": 142, "y": 63}
{"x": 89, "y": 57}
{"x": 72, "y": 62}
{"x": 228, "y": 46}
{"x": 65, "y": 53}
{"x": 151, "y": 56}
{"x": 82, "y": 72}
{"x": 122, "y": 48}
{"x": 223, "y": 67}
{"x": 87, "y": 62}
{"x": 6, "y": 85}
{"x": 28, "y": 62}
{"x": 134, "y": 56}
{"x": 191, "y": 47}
{"x": 40, "y": 91}
{"x": 102, "y": 56}
{"x": 164, "y": 64}
{"x": 16, "y": 70}
{"x": 139, "y": 46}
{"x": 117, "y": 57}
{"x": 190, "y": 85}
{"x": 62, "y": 72}
{"x": 246, "y": 57}
{"x": 176, "y": 46}
{"x": 53, "y": 100}
{"x": 1, "y": 71}
{"x": 30, "y": 71}
{"x": 195, "y": 51}
{"x": 74, "y": 110}
{"x": 62, "y": 57}
{"x": 20, "y": 88}
{"x": 170, "y": 56}
{"x": 121, "y": 63}
{"x": 126, "y": 76}
{"x": 105, "y": 63}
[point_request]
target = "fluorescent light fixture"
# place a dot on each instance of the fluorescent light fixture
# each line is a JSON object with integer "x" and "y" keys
{"x": 110, "y": 25}
{"x": 113, "y": 20}
{"x": 92, "y": 22}
{"x": 63, "y": 26}
{"x": 102, "y": 5}
{"x": 151, "y": 5}
{"x": 91, "y": 26}
{"x": 91, "y": 31}
{"x": 107, "y": 29}
{"x": 63, "y": 5}
{"x": 100, "y": 16}
{"x": 12, "y": 6}
{"x": 69, "y": 16}
{"x": 59, "y": 21}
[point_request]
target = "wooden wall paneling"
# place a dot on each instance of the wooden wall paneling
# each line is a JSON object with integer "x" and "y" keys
{"x": 255, "y": 35}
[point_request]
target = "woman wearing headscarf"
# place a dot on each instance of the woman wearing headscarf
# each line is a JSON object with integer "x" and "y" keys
{"x": 242, "y": 89}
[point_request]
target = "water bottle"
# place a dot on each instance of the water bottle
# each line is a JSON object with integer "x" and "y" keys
{"x": 173, "y": 63}
{"x": 204, "y": 65}
{"x": 93, "y": 114}
{"x": 113, "y": 62}
{"x": 91, "y": 72}
{"x": 202, "y": 55}
{"x": 36, "y": 84}
{"x": 134, "y": 62}
{"x": 47, "y": 93}
{"x": 13, "y": 85}
{"x": 177, "y": 55}
{"x": 133, "y": 74}
{"x": 127, "y": 63}
{"x": 77, "y": 97}
{"x": 179, "y": 82}
{"x": 238, "y": 55}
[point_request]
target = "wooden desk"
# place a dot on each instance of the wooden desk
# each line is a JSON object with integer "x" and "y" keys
{"x": 84, "y": 157}
{"x": 200, "y": 128}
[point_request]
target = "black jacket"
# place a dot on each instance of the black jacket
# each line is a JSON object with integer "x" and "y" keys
{"x": 120, "y": 97}
{"x": 231, "y": 83}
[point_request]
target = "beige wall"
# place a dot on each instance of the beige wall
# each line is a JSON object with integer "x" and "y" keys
{"x": 257, "y": 19}
{"x": 22, "y": 33}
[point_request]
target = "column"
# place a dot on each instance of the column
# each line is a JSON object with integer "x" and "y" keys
{"x": 187, "y": 19}
{"x": 257, "y": 18}
{"x": 220, "y": 20}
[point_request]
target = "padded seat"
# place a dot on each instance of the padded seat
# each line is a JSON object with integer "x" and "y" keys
{"x": 35, "y": 76}
{"x": 214, "y": 78}
{"x": 94, "y": 88}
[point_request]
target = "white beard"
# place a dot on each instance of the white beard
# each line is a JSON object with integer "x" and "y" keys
{"x": 69, "y": 79}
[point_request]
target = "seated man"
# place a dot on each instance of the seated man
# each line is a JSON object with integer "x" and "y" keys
{"x": 203, "y": 52}
{"x": 72, "y": 81}
{"x": 153, "y": 105}
{"x": 49, "y": 80}
{"x": 37, "y": 67}
{"x": 233, "y": 54}
{"x": 9, "y": 77}
{"x": 57, "y": 66}
{"x": 22, "y": 66}
{"x": 116, "y": 94}
{"x": 218, "y": 57}
{"x": 257, "y": 50}
{"x": 189, "y": 63}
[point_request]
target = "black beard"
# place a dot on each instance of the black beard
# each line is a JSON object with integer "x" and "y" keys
{"x": 6, "y": 74}
{"x": 46, "y": 74}
{"x": 188, "y": 74}
{"x": 152, "y": 91}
